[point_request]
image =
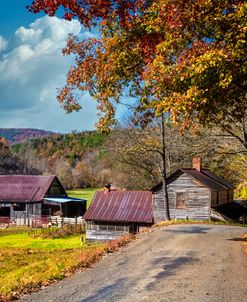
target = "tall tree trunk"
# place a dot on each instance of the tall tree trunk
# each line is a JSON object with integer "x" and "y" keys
{"x": 164, "y": 180}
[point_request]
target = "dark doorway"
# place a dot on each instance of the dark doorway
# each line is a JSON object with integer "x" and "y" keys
{"x": 4, "y": 211}
{"x": 73, "y": 209}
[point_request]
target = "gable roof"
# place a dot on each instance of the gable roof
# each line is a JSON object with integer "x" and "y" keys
{"x": 121, "y": 206}
{"x": 204, "y": 176}
{"x": 217, "y": 178}
{"x": 24, "y": 188}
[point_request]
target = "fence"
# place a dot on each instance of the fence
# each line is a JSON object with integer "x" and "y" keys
{"x": 5, "y": 221}
{"x": 23, "y": 219}
{"x": 60, "y": 221}
{"x": 40, "y": 221}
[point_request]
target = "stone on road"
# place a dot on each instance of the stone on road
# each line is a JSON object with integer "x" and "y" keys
{"x": 189, "y": 263}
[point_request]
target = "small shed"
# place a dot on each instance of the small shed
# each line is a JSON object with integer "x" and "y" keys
{"x": 116, "y": 213}
{"x": 24, "y": 198}
{"x": 192, "y": 192}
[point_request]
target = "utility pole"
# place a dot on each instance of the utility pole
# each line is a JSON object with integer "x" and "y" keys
{"x": 164, "y": 180}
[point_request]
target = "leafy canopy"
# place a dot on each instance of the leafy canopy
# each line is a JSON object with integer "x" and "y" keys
{"x": 187, "y": 58}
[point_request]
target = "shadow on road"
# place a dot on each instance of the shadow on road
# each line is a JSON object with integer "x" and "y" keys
{"x": 107, "y": 292}
{"x": 190, "y": 230}
{"x": 238, "y": 239}
{"x": 171, "y": 266}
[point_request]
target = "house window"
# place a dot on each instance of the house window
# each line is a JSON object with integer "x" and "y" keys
{"x": 181, "y": 199}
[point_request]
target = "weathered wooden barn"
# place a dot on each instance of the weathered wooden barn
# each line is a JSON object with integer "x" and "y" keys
{"x": 24, "y": 198}
{"x": 192, "y": 193}
{"x": 115, "y": 213}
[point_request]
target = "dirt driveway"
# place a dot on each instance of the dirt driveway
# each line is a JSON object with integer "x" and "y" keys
{"x": 193, "y": 263}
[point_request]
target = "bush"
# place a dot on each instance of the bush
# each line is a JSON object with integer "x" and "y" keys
{"x": 55, "y": 232}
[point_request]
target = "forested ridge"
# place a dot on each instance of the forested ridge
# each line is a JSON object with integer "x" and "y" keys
{"x": 77, "y": 158}
{"x": 129, "y": 157}
{"x": 17, "y": 135}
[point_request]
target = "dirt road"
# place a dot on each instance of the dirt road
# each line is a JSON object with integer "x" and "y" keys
{"x": 189, "y": 263}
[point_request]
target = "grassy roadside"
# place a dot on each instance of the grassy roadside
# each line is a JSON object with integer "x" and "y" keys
{"x": 83, "y": 193}
{"x": 183, "y": 221}
{"x": 28, "y": 263}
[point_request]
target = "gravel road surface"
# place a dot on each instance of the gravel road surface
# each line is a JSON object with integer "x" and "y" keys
{"x": 189, "y": 263}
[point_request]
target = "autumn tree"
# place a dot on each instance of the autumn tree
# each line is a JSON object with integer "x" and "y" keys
{"x": 136, "y": 153}
{"x": 183, "y": 58}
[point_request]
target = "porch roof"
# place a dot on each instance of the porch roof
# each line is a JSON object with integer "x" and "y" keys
{"x": 62, "y": 200}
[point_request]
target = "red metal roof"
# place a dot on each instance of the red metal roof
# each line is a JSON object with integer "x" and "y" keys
{"x": 121, "y": 206}
{"x": 24, "y": 188}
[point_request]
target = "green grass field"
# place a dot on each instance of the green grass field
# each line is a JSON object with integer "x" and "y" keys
{"x": 24, "y": 241}
{"x": 83, "y": 193}
{"x": 27, "y": 262}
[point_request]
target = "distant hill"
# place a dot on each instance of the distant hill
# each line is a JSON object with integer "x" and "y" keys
{"x": 78, "y": 159}
{"x": 18, "y": 135}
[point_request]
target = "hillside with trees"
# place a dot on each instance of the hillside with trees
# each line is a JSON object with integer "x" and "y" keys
{"x": 129, "y": 157}
{"x": 17, "y": 135}
{"x": 77, "y": 158}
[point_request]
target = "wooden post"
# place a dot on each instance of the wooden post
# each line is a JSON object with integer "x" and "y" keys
{"x": 164, "y": 182}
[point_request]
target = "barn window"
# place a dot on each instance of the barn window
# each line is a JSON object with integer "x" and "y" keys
{"x": 90, "y": 225}
{"x": 103, "y": 227}
{"x": 181, "y": 199}
{"x": 19, "y": 207}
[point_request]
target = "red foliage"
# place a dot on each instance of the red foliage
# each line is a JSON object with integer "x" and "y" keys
{"x": 185, "y": 58}
{"x": 90, "y": 11}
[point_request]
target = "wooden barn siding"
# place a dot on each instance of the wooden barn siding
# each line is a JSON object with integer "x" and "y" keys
{"x": 198, "y": 201}
{"x": 103, "y": 235}
{"x": 213, "y": 198}
{"x": 158, "y": 206}
{"x": 231, "y": 195}
{"x": 93, "y": 231}
{"x": 223, "y": 197}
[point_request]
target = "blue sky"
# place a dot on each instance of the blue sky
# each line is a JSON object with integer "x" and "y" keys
{"x": 32, "y": 68}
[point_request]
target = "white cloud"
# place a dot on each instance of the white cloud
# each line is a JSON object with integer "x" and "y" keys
{"x": 32, "y": 67}
{"x": 3, "y": 43}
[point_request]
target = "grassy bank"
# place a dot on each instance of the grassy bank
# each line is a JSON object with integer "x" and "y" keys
{"x": 27, "y": 262}
{"x": 83, "y": 193}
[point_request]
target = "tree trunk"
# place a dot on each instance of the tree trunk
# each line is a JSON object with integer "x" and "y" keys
{"x": 164, "y": 180}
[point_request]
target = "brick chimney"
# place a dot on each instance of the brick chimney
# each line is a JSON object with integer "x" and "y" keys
{"x": 107, "y": 188}
{"x": 196, "y": 163}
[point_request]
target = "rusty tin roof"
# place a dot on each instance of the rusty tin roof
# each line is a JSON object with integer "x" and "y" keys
{"x": 24, "y": 188}
{"x": 121, "y": 206}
